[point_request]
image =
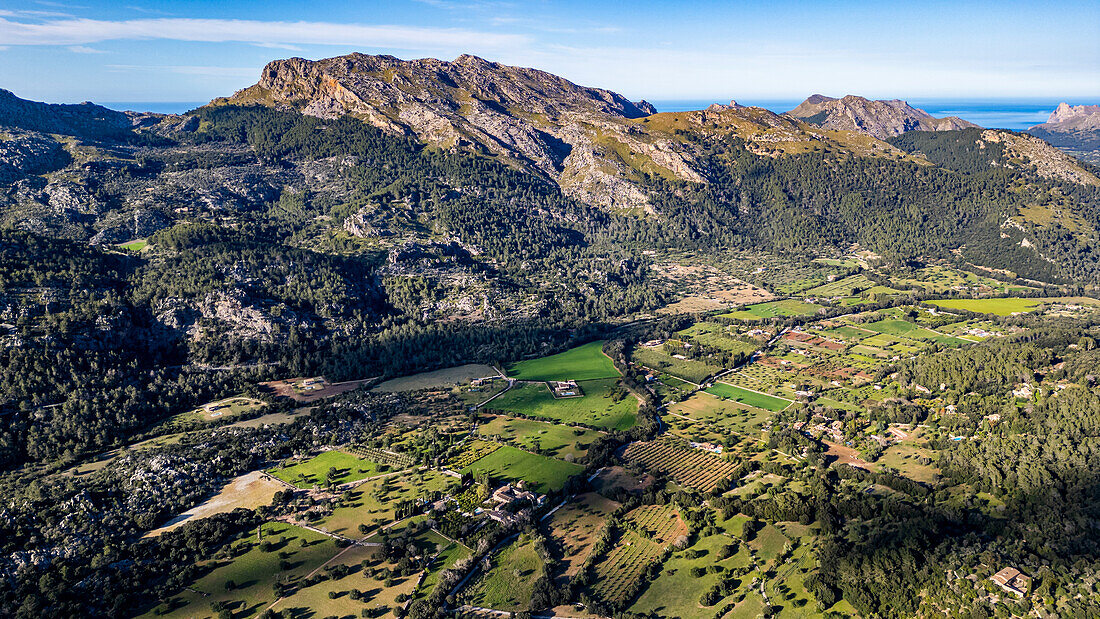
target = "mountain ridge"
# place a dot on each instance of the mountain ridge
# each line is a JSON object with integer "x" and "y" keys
{"x": 882, "y": 119}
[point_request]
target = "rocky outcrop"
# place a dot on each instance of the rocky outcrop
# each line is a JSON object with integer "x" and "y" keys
{"x": 568, "y": 133}
{"x": 1068, "y": 117}
{"x": 881, "y": 119}
{"x": 1022, "y": 151}
{"x": 1073, "y": 128}
{"x": 22, "y": 154}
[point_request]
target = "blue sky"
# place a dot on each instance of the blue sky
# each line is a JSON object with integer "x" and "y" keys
{"x": 194, "y": 50}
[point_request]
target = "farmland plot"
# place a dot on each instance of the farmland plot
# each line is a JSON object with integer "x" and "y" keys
{"x": 692, "y": 467}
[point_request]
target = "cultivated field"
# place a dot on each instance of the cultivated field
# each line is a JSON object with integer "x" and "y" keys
{"x": 586, "y": 362}
{"x": 752, "y": 398}
{"x": 510, "y": 464}
{"x": 470, "y": 453}
{"x": 540, "y": 437}
{"x": 774, "y": 309}
{"x": 717, "y": 336}
{"x": 1009, "y": 306}
{"x": 438, "y": 379}
{"x": 711, "y": 411}
{"x": 691, "y": 467}
{"x": 649, "y": 530}
{"x": 604, "y": 405}
{"x": 577, "y": 525}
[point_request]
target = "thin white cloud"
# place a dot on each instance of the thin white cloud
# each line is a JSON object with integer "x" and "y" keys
{"x": 208, "y": 71}
{"x": 88, "y": 31}
{"x": 84, "y": 49}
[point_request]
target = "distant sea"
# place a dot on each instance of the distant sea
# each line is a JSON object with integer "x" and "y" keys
{"x": 992, "y": 114}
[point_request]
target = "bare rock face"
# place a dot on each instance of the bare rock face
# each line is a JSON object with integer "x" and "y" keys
{"x": 881, "y": 119}
{"x": 1073, "y": 128}
{"x": 1048, "y": 161}
{"x": 28, "y": 153}
{"x": 529, "y": 118}
{"x": 1068, "y": 117}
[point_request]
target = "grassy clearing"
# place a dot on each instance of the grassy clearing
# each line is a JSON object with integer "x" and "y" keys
{"x": 372, "y": 503}
{"x": 510, "y": 581}
{"x": 686, "y": 369}
{"x": 737, "y": 394}
{"x": 135, "y": 245}
{"x": 585, "y": 362}
{"x": 576, "y": 527}
{"x": 215, "y": 411}
{"x": 452, "y": 553}
{"x": 769, "y": 542}
{"x": 510, "y": 464}
{"x": 541, "y": 437}
{"x": 252, "y": 570}
{"x": 676, "y": 592}
{"x": 774, "y": 309}
{"x": 904, "y": 328}
{"x": 604, "y": 405}
{"x": 332, "y": 597}
{"x": 717, "y": 336}
{"x": 313, "y": 472}
{"x": 849, "y": 286}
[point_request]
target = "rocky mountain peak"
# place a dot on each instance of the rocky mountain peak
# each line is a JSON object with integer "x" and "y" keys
{"x": 531, "y": 118}
{"x": 882, "y": 118}
{"x": 81, "y": 119}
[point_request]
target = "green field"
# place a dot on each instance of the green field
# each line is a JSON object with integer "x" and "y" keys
{"x": 297, "y": 550}
{"x": 598, "y": 408}
{"x": 373, "y": 502}
{"x": 752, "y": 398}
{"x": 585, "y": 362}
{"x": 998, "y": 307}
{"x": 675, "y": 592}
{"x": 904, "y": 328}
{"x": 774, "y": 309}
{"x": 221, "y": 410}
{"x": 313, "y": 472}
{"x": 451, "y": 554}
{"x": 550, "y": 439}
{"x": 511, "y": 579}
{"x": 135, "y": 245}
{"x": 510, "y": 464}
